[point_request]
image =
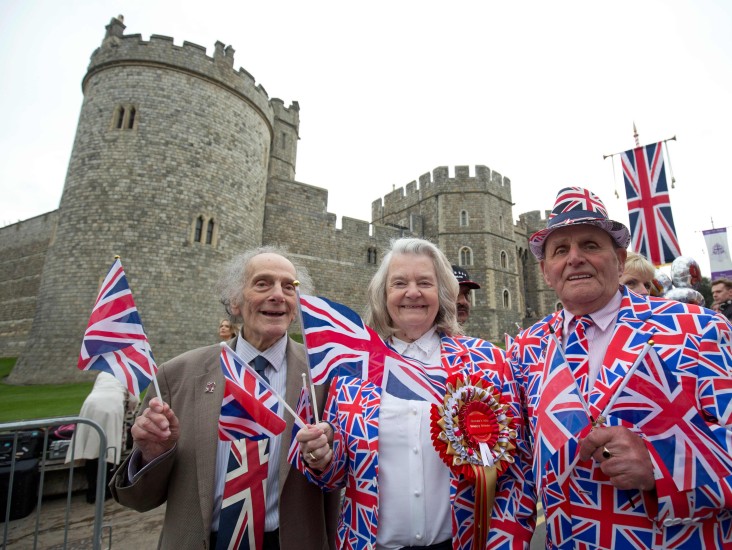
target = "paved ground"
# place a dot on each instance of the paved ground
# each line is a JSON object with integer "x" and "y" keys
{"x": 129, "y": 529}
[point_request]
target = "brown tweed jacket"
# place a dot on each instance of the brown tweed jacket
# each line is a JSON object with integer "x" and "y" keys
{"x": 185, "y": 478}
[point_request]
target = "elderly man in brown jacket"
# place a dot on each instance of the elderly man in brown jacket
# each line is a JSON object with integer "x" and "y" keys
{"x": 178, "y": 458}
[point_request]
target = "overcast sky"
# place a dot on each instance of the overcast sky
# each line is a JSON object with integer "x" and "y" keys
{"x": 389, "y": 90}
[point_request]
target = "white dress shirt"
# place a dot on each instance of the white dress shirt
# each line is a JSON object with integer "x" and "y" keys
{"x": 414, "y": 483}
{"x": 276, "y": 372}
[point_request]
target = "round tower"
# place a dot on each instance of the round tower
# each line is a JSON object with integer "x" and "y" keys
{"x": 169, "y": 170}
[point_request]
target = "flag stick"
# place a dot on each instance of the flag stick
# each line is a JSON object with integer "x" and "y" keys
{"x": 646, "y": 348}
{"x": 313, "y": 398}
{"x": 155, "y": 375}
{"x": 621, "y": 152}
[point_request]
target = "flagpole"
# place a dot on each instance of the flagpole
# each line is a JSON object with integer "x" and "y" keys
{"x": 155, "y": 375}
{"x": 621, "y": 152}
{"x": 313, "y": 398}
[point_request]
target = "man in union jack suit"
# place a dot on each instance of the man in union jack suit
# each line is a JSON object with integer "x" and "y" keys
{"x": 629, "y": 398}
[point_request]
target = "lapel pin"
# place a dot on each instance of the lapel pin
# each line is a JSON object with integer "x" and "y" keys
{"x": 210, "y": 387}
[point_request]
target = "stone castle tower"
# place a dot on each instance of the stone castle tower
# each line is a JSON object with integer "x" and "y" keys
{"x": 179, "y": 163}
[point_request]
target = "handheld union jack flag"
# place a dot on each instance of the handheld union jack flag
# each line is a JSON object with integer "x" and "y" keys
{"x": 249, "y": 408}
{"x": 561, "y": 414}
{"x": 115, "y": 341}
{"x": 680, "y": 436}
{"x": 649, "y": 205}
{"x": 339, "y": 343}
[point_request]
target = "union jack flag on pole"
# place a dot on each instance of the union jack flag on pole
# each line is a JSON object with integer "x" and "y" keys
{"x": 339, "y": 343}
{"x": 115, "y": 341}
{"x": 652, "y": 229}
{"x": 249, "y": 408}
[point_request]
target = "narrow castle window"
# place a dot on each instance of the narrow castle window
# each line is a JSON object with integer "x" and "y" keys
{"x": 506, "y": 299}
{"x": 464, "y": 218}
{"x": 284, "y": 140}
{"x": 371, "y": 255}
{"x": 120, "y": 115}
{"x": 199, "y": 230}
{"x": 124, "y": 117}
{"x": 209, "y": 232}
{"x": 504, "y": 259}
{"x": 466, "y": 256}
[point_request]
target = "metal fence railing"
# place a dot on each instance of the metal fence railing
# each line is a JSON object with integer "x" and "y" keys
{"x": 28, "y": 454}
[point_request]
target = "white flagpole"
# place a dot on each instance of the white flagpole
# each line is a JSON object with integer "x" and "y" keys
{"x": 155, "y": 374}
{"x": 313, "y": 398}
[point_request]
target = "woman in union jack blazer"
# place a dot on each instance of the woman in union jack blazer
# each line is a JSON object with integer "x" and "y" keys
{"x": 632, "y": 427}
{"x": 377, "y": 444}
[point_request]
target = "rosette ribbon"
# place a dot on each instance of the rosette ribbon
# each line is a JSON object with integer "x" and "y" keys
{"x": 474, "y": 435}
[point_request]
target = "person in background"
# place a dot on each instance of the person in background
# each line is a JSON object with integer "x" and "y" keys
{"x": 632, "y": 473}
{"x": 722, "y": 294}
{"x": 375, "y": 439}
{"x": 227, "y": 330}
{"x": 106, "y": 404}
{"x": 463, "y": 300}
{"x": 638, "y": 274}
{"x": 178, "y": 458}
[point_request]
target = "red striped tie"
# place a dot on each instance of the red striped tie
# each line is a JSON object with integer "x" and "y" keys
{"x": 577, "y": 352}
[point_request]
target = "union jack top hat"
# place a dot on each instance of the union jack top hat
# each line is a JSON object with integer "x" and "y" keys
{"x": 578, "y": 206}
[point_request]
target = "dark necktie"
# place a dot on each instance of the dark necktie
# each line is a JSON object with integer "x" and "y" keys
{"x": 259, "y": 364}
{"x": 577, "y": 352}
{"x": 241, "y": 523}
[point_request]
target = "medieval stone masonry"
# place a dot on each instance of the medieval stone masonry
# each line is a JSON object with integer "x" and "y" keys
{"x": 179, "y": 163}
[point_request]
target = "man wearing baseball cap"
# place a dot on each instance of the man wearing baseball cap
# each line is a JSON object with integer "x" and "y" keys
{"x": 463, "y": 301}
{"x": 629, "y": 398}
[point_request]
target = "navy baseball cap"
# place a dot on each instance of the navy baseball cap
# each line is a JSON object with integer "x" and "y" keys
{"x": 463, "y": 278}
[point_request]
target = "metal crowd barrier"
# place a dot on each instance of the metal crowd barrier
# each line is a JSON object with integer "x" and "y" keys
{"x": 44, "y": 426}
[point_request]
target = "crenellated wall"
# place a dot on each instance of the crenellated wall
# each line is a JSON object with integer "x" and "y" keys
{"x": 118, "y": 50}
{"x": 296, "y": 217}
{"x": 179, "y": 163}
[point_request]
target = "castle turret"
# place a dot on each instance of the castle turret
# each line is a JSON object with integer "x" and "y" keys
{"x": 284, "y": 145}
{"x": 169, "y": 170}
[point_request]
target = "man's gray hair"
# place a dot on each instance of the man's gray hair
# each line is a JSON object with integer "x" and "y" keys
{"x": 236, "y": 272}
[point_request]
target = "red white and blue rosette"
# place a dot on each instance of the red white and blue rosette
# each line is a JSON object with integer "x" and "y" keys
{"x": 474, "y": 434}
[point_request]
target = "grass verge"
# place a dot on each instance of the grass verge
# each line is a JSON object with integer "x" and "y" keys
{"x": 38, "y": 401}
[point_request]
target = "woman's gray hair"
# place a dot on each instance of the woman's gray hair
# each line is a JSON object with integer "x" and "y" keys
{"x": 236, "y": 272}
{"x": 377, "y": 315}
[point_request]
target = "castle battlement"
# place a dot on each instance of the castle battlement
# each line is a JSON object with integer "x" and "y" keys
{"x": 440, "y": 182}
{"x": 120, "y": 49}
{"x": 289, "y": 115}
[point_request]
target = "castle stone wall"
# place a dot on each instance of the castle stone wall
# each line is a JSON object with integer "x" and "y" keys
{"x": 23, "y": 247}
{"x": 207, "y": 143}
{"x": 195, "y": 149}
{"x": 296, "y": 217}
{"x": 466, "y": 212}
